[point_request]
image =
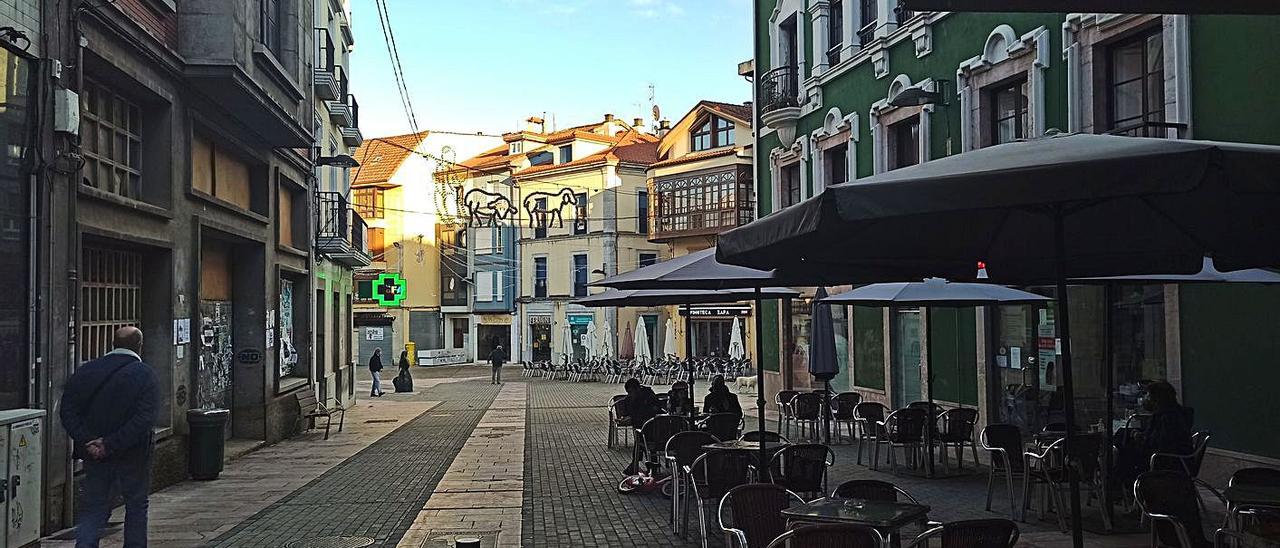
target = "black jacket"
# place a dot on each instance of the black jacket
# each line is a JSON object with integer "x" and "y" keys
{"x": 497, "y": 357}
{"x": 721, "y": 401}
{"x": 642, "y": 406}
{"x": 404, "y": 360}
{"x": 122, "y": 413}
{"x": 375, "y": 363}
{"x": 1169, "y": 431}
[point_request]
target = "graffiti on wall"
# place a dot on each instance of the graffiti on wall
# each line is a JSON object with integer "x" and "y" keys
{"x": 288, "y": 354}
{"x": 213, "y": 372}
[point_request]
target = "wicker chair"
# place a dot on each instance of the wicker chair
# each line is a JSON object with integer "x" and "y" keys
{"x": 681, "y": 450}
{"x": 842, "y": 406}
{"x": 1168, "y": 501}
{"x": 806, "y": 413}
{"x": 757, "y": 514}
{"x": 902, "y": 428}
{"x": 714, "y": 474}
{"x": 868, "y": 416}
{"x": 973, "y": 533}
{"x": 726, "y": 426}
{"x": 1003, "y": 443}
{"x": 956, "y": 429}
{"x": 874, "y": 490}
{"x": 802, "y": 468}
{"x": 832, "y": 535}
{"x": 783, "y": 401}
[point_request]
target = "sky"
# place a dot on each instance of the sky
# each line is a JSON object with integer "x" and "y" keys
{"x": 487, "y": 65}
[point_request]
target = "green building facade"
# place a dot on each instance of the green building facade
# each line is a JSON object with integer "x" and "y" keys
{"x": 827, "y": 73}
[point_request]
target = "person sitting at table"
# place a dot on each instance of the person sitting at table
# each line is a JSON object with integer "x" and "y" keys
{"x": 720, "y": 399}
{"x": 678, "y": 400}
{"x": 1168, "y": 431}
{"x": 640, "y": 406}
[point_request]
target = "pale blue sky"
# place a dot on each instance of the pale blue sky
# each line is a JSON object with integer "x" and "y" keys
{"x": 486, "y": 65}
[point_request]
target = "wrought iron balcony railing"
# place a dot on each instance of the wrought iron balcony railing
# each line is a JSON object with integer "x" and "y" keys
{"x": 340, "y": 231}
{"x": 779, "y": 88}
{"x": 1150, "y": 128}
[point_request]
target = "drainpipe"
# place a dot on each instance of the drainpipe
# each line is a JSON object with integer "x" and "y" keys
{"x": 610, "y": 217}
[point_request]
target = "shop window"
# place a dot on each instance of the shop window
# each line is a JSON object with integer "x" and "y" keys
{"x": 789, "y": 187}
{"x": 290, "y": 306}
{"x": 579, "y": 275}
{"x": 1135, "y": 86}
{"x": 369, "y": 202}
{"x": 904, "y": 143}
{"x": 868, "y": 350}
{"x": 111, "y": 141}
{"x": 1007, "y": 105}
{"x": 110, "y": 297}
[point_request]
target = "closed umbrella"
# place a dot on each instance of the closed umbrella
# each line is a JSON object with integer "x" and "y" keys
{"x": 1035, "y": 211}
{"x": 736, "y": 349}
{"x": 822, "y": 353}
{"x": 589, "y": 340}
{"x": 641, "y": 342}
{"x": 604, "y": 344}
{"x": 669, "y": 344}
{"x": 567, "y": 344}
{"x": 627, "y": 345}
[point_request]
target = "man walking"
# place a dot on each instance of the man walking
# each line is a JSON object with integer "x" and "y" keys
{"x": 496, "y": 358}
{"x": 109, "y": 409}
{"x": 375, "y": 369}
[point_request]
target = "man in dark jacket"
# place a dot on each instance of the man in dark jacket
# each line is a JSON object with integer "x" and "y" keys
{"x": 496, "y": 358}
{"x": 375, "y": 370}
{"x": 109, "y": 409}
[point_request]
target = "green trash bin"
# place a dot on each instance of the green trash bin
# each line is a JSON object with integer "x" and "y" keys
{"x": 205, "y": 442}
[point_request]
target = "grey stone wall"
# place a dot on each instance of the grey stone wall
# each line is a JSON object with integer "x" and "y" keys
{"x": 23, "y": 15}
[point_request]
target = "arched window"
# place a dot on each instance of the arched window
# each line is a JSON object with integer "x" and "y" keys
{"x": 702, "y": 137}
{"x": 713, "y": 132}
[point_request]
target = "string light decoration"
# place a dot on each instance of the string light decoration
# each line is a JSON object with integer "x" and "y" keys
{"x": 448, "y": 186}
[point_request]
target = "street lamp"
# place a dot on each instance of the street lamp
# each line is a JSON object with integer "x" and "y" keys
{"x": 341, "y": 160}
{"x": 915, "y": 97}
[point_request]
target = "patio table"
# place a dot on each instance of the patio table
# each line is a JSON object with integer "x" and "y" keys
{"x": 750, "y": 446}
{"x": 1253, "y": 496}
{"x": 885, "y": 517}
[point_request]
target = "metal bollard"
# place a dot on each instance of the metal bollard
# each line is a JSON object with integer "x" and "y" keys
{"x": 468, "y": 542}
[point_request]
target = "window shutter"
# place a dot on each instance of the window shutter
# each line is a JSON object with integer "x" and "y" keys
{"x": 499, "y": 286}
{"x": 484, "y": 287}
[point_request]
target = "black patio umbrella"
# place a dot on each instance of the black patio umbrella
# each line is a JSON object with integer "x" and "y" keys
{"x": 823, "y": 364}
{"x": 703, "y": 270}
{"x": 662, "y": 297}
{"x": 934, "y": 292}
{"x": 1036, "y": 211}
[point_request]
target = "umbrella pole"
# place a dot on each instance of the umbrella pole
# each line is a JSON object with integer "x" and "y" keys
{"x": 688, "y": 350}
{"x": 759, "y": 363}
{"x": 928, "y": 389}
{"x": 1068, "y": 388}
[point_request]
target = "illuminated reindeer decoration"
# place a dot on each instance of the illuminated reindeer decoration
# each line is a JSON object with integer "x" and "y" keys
{"x": 544, "y": 214}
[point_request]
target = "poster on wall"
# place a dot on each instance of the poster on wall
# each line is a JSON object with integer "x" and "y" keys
{"x": 288, "y": 354}
{"x": 213, "y": 370}
{"x": 373, "y": 333}
{"x": 1046, "y": 357}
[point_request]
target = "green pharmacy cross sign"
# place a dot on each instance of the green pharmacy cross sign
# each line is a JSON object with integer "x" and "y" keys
{"x": 388, "y": 289}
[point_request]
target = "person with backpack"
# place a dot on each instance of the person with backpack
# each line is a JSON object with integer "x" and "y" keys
{"x": 109, "y": 408}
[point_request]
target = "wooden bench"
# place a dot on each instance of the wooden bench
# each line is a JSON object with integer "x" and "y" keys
{"x": 312, "y": 408}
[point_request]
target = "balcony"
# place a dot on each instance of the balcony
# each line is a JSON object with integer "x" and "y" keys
{"x": 325, "y": 79}
{"x": 704, "y": 204}
{"x": 340, "y": 231}
{"x": 351, "y": 135}
{"x": 339, "y": 110}
{"x": 779, "y": 96}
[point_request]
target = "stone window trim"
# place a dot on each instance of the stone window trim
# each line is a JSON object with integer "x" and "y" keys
{"x": 779, "y": 158}
{"x": 883, "y": 115}
{"x": 1085, "y": 39}
{"x": 1005, "y": 56}
{"x": 837, "y": 129}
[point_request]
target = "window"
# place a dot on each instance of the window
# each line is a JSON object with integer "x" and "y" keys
{"x": 566, "y": 154}
{"x": 1135, "y": 79}
{"x": 540, "y": 277}
{"x": 642, "y": 212}
{"x": 714, "y": 132}
{"x": 540, "y": 228}
{"x": 377, "y": 247}
{"x": 904, "y": 143}
{"x": 542, "y": 158}
{"x": 217, "y": 173}
{"x": 111, "y": 141}
{"x": 579, "y": 275}
{"x": 292, "y": 226}
{"x": 648, "y": 259}
{"x": 488, "y": 240}
{"x": 835, "y": 31}
{"x": 580, "y": 219}
{"x": 487, "y": 286}
{"x": 271, "y": 35}
{"x": 835, "y": 162}
{"x": 867, "y": 22}
{"x": 515, "y": 148}
{"x": 708, "y": 202}
{"x": 369, "y": 202}
{"x": 110, "y": 297}
{"x": 789, "y": 186}
{"x": 1008, "y": 105}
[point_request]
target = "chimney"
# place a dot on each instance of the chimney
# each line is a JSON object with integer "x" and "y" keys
{"x": 638, "y": 123}
{"x": 608, "y": 117}
{"x": 535, "y": 124}
{"x": 664, "y": 127}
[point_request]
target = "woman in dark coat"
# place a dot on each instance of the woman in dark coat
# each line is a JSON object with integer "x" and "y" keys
{"x": 720, "y": 399}
{"x": 1168, "y": 431}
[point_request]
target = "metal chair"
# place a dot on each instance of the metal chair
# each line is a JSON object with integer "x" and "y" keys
{"x": 830, "y": 535}
{"x": 806, "y": 411}
{"x": 766, "y": 436}
{"x": 1003, "y": 443}
{"x": 842, "y": 407}
{"x": 902, "y": 428}
{"x": 681, "y": 450}
{"x": 618, "y": 422}
{"x": 1167, "y": 499}
{"x": 783, "y": 401}
{"x": 655, "y": 433}
{"x": 868, "y": 416}
{"x": 873, "y": 490}
{"x": 1188, "y": 463}
{"x": 725, "y": 426}
{"x": 1248, "y": 519}
{"x": 757, "y": 513}
{"x": 1052, "y": 469}
{"x": 714, "y": 474}
{"x": 972, "y": 533}
{"x": 802, "y": 468}
{"x": 956, "y": 429}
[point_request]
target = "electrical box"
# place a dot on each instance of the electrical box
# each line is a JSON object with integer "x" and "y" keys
{"x": 21, "y": 453}
{"x": 66, "y": 111}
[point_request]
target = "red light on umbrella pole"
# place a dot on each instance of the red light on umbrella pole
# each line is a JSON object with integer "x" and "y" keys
{"x": 982, "y": 270}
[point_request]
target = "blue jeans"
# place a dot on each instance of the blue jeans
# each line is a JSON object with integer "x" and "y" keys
{"x": 377, "y": 383}
{"x": 133, "y": 476}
